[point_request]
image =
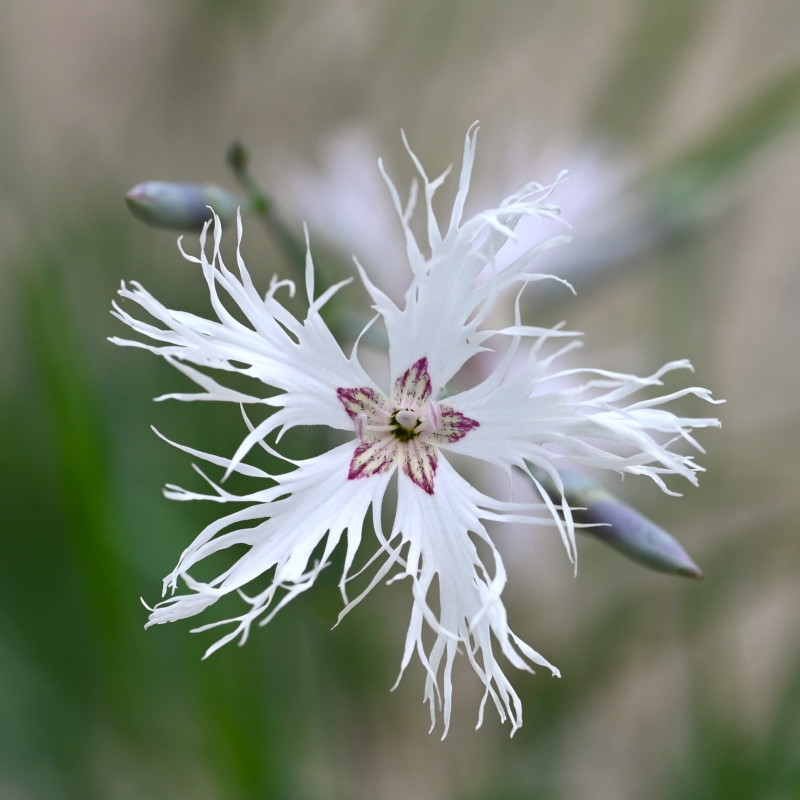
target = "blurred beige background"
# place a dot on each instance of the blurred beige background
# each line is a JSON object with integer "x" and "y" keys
{"x": 679, "y": 123}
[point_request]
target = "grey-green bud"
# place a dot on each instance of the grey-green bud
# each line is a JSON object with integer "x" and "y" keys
{"x": 621, "y": 526}
{"x": 181, "y": 206}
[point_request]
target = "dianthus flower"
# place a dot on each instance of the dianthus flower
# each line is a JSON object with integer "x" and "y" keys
{"x": 393, "y": 477}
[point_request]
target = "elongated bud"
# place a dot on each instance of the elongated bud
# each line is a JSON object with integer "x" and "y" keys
{"x": 181, "y": 206}
{"x": 623, "y": 527}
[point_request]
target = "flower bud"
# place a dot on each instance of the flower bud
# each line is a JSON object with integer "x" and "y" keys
{"x": 180, "y": 206}
{"x": 623, "y": 527}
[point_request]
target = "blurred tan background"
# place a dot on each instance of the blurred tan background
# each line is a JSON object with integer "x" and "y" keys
{"x": 680, "y": 125}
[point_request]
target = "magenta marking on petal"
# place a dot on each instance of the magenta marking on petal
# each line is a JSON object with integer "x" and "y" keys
{"x": 371, "y": 458}
{"x": 413, "y": 387}
{"x": 420, "y": 464}
{"x": 358, "y": 400}
{"x": 455, "y": 426}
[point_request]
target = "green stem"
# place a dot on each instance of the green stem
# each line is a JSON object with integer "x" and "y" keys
{"x": 292, "y": 246}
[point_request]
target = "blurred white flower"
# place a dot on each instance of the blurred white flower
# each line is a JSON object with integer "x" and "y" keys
{"x": 434, "y": 534}
{"x": 344, "y": 202}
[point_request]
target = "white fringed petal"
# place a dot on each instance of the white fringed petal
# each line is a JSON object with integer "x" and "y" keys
{"x": 299, "y": 363}
{"x": 457, "y": 595}
{"x": 446, "y": 303}
{"x": 282, "y": 530}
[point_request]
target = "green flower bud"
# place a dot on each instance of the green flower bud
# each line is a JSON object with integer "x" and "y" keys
{"x": 180, "y": 206}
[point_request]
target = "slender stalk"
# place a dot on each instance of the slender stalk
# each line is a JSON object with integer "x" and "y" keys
{"x": 292, "y": 246}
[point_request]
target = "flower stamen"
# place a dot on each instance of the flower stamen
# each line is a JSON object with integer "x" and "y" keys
{"x": 433, "y": 416}
{"x": 360, "y": 425}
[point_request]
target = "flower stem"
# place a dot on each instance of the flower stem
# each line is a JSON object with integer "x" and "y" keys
{"x": 292, "y": 246}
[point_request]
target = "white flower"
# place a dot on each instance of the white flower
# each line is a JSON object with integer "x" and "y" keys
{"x": 344, "y": 201}
{"x": 520, "y": 417}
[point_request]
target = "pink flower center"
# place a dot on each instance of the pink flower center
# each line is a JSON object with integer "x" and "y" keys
{"x": 403, "y": 430}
